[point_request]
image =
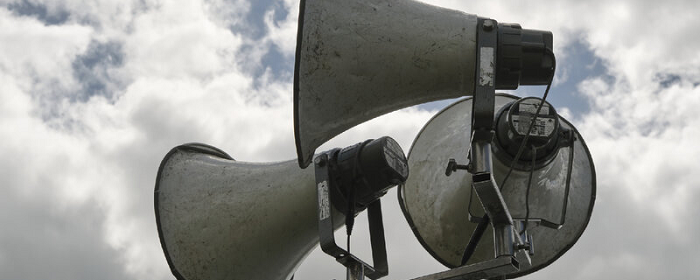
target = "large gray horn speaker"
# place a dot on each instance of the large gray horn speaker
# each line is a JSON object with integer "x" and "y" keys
{"x": 222, "y": 219}
{"x": 358, "y": 59}
{"x": 441, "y": 209}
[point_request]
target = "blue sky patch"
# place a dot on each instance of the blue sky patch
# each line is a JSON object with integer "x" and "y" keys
{"x": 92, "y": 69}
{"x": 38, "y": 11}
{"x": 253, "y": 25}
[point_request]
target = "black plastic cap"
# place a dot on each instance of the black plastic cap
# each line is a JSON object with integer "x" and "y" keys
{"x": 383, "y": 165}
{"x": 538, "y": 63}
{"x": 524, "y": 57}
{"x": 370, "y": 169}
{"x": 384, "y": 162}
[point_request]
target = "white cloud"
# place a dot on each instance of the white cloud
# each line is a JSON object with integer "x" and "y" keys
{"x": 179, "y": 41}
{"x": 25, "y": 57}
{"x": 283, "y": 34}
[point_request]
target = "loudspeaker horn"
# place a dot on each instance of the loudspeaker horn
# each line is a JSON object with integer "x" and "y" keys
{"x": 359, "y": 59}
{"x": 441, "y": 209}
{"x": 356, "y": 60}
{"x": 222, "y": 219}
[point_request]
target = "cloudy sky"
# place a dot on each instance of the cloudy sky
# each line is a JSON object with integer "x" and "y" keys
{"x": 94, "y": 93}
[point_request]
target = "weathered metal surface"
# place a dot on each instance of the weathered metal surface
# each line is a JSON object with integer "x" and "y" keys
{"x": 436, "y": 205}
{"x": 222, "y": 219}
{"x": 357, "y": 60}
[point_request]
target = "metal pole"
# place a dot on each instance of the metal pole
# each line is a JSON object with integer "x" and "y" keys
{"x": 356, "y": 271}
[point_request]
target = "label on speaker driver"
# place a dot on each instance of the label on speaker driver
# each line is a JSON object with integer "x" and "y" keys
{"x": 323, "y": 204}
{"x": 530, "y": 106}
{"x": 543, "y": 127}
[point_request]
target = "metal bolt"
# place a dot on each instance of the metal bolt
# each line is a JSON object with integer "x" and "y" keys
{"x": 320, "y": 161}
{"x": 488, "y": 25}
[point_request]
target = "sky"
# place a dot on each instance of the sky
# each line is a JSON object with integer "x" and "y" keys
{"x": 94, "y": 93}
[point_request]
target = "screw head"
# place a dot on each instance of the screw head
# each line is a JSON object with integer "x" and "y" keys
{"x": 488, "y": 25}
{"x": 320, "y": 161}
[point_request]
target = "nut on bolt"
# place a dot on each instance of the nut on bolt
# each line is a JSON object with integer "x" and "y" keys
{"x": 488, "y": 25}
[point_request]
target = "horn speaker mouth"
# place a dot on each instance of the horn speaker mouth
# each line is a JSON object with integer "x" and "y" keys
{"x": 190, "y": 147}
{"x": 357, "y": 60}
{"x": 436, "y": 206}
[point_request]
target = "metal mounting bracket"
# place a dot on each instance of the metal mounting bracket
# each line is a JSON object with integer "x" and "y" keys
{"x": 357, "y": 268}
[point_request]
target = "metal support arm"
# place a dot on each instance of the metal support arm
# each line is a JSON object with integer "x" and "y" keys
{"x": 357, "y": 269}
{"x": 484, "y": 270}
{"x": 506, "y": 240}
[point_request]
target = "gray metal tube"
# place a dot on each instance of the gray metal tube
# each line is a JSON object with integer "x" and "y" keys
{"x": 481, "y": 157}
{"x": 503, "y": 240}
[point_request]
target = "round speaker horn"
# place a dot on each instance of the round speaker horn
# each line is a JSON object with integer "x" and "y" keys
{"x": 438, "y": 207}
{"x": 356, "y": 60}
